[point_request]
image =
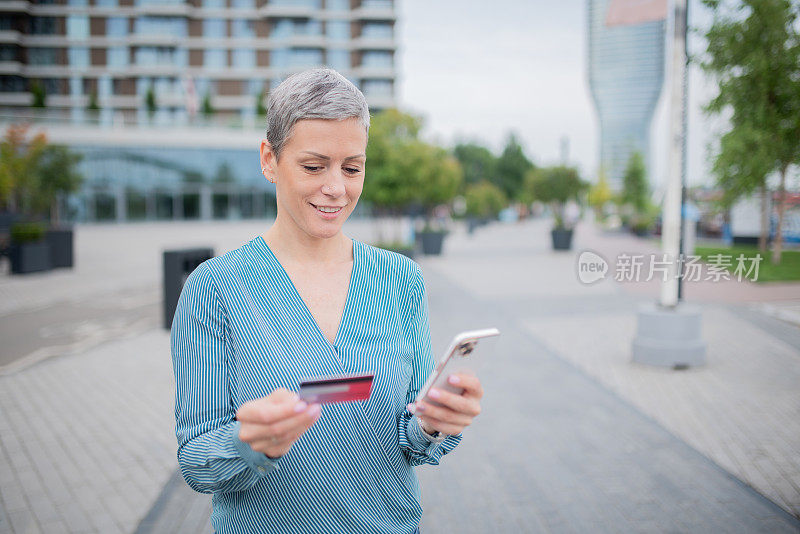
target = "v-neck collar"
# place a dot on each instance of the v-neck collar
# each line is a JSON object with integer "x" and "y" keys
{"x": 302, "y": 303}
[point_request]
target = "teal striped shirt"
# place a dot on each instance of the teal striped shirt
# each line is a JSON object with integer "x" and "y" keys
{"x": 242, "y": 330}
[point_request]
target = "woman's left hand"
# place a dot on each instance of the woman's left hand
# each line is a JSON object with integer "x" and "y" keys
{"x": 455, "y": 412}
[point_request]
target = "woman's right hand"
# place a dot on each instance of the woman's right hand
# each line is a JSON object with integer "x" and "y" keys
{"x": 272, "y": 424}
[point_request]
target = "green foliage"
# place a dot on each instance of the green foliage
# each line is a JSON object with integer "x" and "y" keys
{"x": 38, "y": 95}
{"x": 150, "y": 101}
{"x": 207, "y": 109}
{"x": 512, "y": 166}
{"x": 93, "y": 105}
{"x": 261, "y": 108}
{"x": 635, "y": 190}
{"x": 28, "y": 232}
{"x": 786, "y": 270}
{"x": 555, "y": 186}
{"x": 484, "y": 200}
{"x": 754, "y": 53}
{"x": 478, "y": 163}
{"x": 600, "y": 195}
{"x": 33, "y": 173}
{"x": 224, "y": 174}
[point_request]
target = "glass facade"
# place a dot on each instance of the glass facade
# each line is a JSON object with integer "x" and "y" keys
{"x": 170, "y": 183}
{"x": 626, "y": 73}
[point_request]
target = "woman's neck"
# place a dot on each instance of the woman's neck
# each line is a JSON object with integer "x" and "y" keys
{"x": 292, "y": 244}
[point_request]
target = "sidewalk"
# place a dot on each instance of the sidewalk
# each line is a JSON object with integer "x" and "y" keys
{"x": 572, "y": 437}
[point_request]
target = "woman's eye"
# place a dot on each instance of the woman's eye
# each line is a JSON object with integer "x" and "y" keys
{"x": 352, "y": 170}
{"x": 312, "y": 168}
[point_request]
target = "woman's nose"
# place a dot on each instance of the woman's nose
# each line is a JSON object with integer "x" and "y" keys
{"x": 334, "y": 184}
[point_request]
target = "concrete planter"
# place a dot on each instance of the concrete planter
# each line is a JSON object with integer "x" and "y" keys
{"x": 61, "y": 242}
{"x": 431, "y": 242}
{"x": 562, "y": 238}
{"x": 29, "y": 257}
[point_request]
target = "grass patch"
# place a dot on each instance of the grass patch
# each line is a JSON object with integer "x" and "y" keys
{"x": 787, "y": 270}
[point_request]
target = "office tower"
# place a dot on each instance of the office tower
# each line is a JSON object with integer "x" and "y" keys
{"x": 626, "y": 72}
{"x": 162, "y": 96}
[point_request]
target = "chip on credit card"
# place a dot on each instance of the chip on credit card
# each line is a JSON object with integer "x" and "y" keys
{"x": 342, "y": 388}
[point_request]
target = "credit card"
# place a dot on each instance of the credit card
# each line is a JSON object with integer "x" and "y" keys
{"x": 343, "y": 388}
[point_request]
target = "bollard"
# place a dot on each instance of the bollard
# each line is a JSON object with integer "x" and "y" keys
{"x": 178, "y": 265}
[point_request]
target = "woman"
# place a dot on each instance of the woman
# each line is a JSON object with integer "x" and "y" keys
{"x": 304, "y": 301}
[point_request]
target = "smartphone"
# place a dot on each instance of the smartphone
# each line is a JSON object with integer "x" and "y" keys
{"x": 457, "y": 359}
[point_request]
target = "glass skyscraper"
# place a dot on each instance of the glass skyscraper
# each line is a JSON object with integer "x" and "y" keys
{"x": 626, "y": 72}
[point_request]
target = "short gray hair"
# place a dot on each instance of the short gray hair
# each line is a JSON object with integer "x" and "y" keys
{"x": 312, "y": 94}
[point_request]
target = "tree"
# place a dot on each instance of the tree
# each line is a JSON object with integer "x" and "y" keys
{"x": 207, "y": 108}
{"x": 150, "y": 101}
{"x": 555, "y": 186}
{"x": 261, "y": 108}
{"x": 478, "y": 163}
{"x": 440, "y": 176}
{"x": 635, "y": 190}
{"x": 512, "y": 165}
{"x": 484, "y": 200}
{"x": 600, "y": 195}
{"x": 38, "y": 95}
{"x": 19, "y": 158}
{"x": 93, "y": 105}
{"x": 754, "y": 52}
{"x": 58, "y": 176}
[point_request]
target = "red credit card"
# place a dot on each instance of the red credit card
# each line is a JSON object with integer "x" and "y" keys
{"x": 343, "y": 388}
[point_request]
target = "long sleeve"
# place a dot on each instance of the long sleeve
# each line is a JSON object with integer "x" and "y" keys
{"x": 211, "y": 457}
{"x": 415, "y": 445}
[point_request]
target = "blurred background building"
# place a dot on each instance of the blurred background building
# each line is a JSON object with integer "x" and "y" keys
{"x": 165, "y": 98}
{"x": 626, "y": 72}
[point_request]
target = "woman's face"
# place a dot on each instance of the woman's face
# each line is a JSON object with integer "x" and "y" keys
{"x": 319, "y": 175}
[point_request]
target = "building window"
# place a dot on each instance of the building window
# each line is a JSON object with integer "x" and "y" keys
{"x": 377, "y": 30}
{"x": 12, "y": 84}
{"x": 42, "y": 56}
{"x": 9, "y": 53}
{"x": 377, "y": 87}
{"x": 255, "y": 87}
{"x": 78, "y": 3}
{"x": 376, "y": 59}
{"x": 337, "y": 5}
{"x": 117, "y": 57}
{"x": 279, "y": 58}
{"x": 305, "y": 57}
{"x": 174, "y": 26}
{"x": 214, "y": 28}
{"x": 116, "y": 27}
{"x": 79, "y": 57}
{"x": 7, "y": 23}
{"x": 155, "y": 55}
{"x": 244, "y": 58}
{"x": 338, "y": 30}
{"x": 216, "y": 58}
{"x": 214, "y": 4}
{"x": 106, "y": 3}
{"x": 339, "y": 59}
{"x": 376, "y": 4}
{"x": 75, "y": 86}
{"x": 313, "y": 4}
{"x": 43, "y": 25}
{"x": 243, "y": 29}
{"x": 77, "y": 27}
{"x": 244, "y": 4}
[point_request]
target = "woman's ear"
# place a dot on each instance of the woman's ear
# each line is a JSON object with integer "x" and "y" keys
{"x": 268, "y": 161}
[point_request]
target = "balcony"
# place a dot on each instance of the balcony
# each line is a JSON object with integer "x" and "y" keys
{"x": 10, "y": 37}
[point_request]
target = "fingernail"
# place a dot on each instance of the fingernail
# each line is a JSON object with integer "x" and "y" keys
{"x": 300, "y": 406}
{"x": 411, "y": 408}
{"x": 420, "y": 407}
{"x": 434, "y": 394}
{"x": 454, "y": 379}
{"x": 315, "y": 410}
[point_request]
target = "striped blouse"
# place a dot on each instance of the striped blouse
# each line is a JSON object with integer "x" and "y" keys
{"x": 241, "y": 330}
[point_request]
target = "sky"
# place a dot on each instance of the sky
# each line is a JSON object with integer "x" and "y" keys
{"x": 477, "y": 70}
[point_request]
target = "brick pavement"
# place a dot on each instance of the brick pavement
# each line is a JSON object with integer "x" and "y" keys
{"x": 556, "y": 450}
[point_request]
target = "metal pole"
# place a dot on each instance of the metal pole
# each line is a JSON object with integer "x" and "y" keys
{"x": 685, "y": 134}
{"x": 671, "y": 228}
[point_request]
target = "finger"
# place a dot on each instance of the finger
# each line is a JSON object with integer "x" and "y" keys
{"x": 279, "y": 430}
{"x": 457, "y": 403}
{"x": 442, "y": 413}
{"x": 266, "y": 411}
{"x": 470, "y": 383}
{"x": 443, "y": 426}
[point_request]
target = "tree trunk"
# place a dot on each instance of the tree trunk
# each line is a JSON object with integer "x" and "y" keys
{"x": 762, "y": 238}
{"x": 778, "y": 244}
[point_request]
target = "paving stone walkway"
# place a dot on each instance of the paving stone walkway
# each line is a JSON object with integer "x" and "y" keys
{"x": 87, "y": 445}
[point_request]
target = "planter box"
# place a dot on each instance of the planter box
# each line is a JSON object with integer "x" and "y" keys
{"x": 562, "y": 238}
{"x": 431, "y": 242}
{"x": 61, "y": 242}
{"x": 29, "y": 257}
